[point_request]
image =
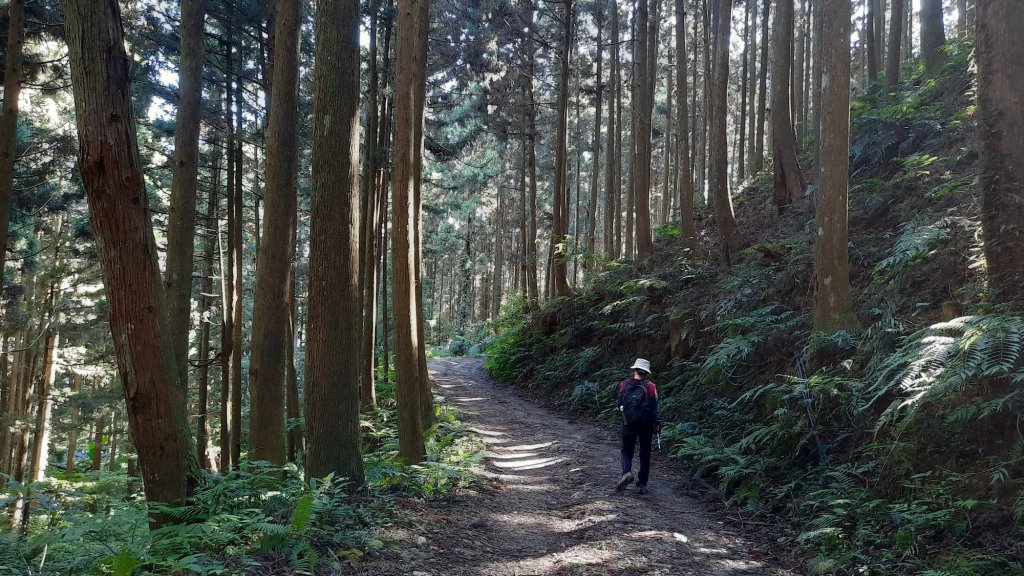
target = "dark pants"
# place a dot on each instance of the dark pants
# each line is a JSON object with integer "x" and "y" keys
{"x": 630, "y": 436}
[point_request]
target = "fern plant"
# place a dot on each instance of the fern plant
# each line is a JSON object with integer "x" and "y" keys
{"x": 946, "y": 357}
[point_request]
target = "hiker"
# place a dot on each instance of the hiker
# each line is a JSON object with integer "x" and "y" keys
{"x": 638, "y": 405}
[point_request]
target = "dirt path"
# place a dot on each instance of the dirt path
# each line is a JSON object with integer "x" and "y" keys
{"x": 550, "y": 507}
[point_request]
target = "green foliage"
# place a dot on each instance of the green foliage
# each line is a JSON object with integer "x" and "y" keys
{"x": 918, "y": 241}
{"x": 940, "y": 360}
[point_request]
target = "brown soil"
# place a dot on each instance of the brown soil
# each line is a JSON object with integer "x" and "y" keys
{"x": 549, "y": 506}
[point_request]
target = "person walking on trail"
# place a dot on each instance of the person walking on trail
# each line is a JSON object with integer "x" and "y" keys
{"x": 638, "y": 404}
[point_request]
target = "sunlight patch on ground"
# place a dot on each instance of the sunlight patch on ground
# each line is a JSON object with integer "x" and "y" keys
{"x": 483, "y": 432}
{"x": 531, "y": 464}
{"x": 496, "y": 456}
{"x": 478, "y": 399}
{"x": 529, "y": 446}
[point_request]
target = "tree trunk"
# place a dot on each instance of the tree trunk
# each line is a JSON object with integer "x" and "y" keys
{"x": 833, "y": 307}
{"x": 270, "y": 332}
{"x": 560, "y": 191}
{"x": 531, "y": 241}
{"x": 961, "y": 18}
{"x": 97, "y": 442}
{"x": 612, "y": 191}
{"x": 227, "y": 271}
{"x": 816, "y": 85}
{"x": 181, "y": 222}
{"x": 741, "y": 139}
{"x": 1000, "y": 51}
{"x": 724, "y": 217}
{"x": 41, "y": 439}
{"x": 643, "y": 106}
{"x": 684, "y": 179}
{"x": 796, "y": 78}
{"x": 335, "y": 329}
{"x": 788, "y": 179}
{"x": 762, "y": 90}
{"x": 873, "y": 38}
{"x": 933, "y": 36}
{"x": 205, "y": 319}
{"x": 119, "y": 215}
{"x": 238, "y": 292}
{"x": 76, "y": 411}
{"x": 752, "y": 96}
{"x": 9, "y": 116}
{"x": 368, "y": 207}
{"x": 595, "y": 163}
{"x": 893, "y": 61}
{"x": 411, "y": 60}
{"x": 115, "y": 437}
{"x": 499, "y": 258}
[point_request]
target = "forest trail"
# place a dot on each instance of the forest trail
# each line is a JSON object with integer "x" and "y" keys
{"x": 549, "y": 506}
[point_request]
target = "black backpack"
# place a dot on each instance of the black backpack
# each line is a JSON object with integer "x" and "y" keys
{"x": 635, "y": 403}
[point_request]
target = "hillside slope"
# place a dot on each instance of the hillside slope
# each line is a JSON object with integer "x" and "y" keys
{"x": 895, "y": 449}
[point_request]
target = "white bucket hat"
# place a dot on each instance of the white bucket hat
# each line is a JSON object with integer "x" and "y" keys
{"x": 641, "y": 364}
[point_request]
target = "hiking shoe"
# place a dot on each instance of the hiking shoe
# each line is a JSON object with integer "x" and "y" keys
{"x": 641, "y": 489}
{"x": 626, "y": 480}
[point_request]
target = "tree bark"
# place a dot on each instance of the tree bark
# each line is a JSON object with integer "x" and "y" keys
{"x": 560, "y": 191}
{"x": 368, "y": 206}
{"x": 227, "y": 271}
{"x": 119, "y": 214}
{"x": 13, "y": 60}
{"x": 788, "y": 180}
{"x": 833, "y": 307}
{"x": 206, "y": 320}
{"x": 411, "y": 60}
{"x": 933, "y": 36}
{"x": 641, "y": 171}
{"x": 724, "y": 217}
{"x": 97, "y": 441}
{"x": 893, "y": 60}
{"x": 76, "y": 411}
{"x": 762, "y": 91}
{"x": 270, "y": 332}
{"x": 612, "y": 191}
{"x": 684, "y": 179}
{"x": 335, "y": 330}
{"x": 961, "y": 18}
{"x": 595, "y": 165}
{"x": 873, "y": 38}
{"x": 1000, "y": 51}
{"x": 816, "y": 84}
{"x": 238, "y": 292}
{"x": 181, "y": 222}
{"x": 41, "y": 438}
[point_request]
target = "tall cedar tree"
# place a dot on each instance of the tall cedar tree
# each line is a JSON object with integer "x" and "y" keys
{"x": 725, "y": 219}
{"x": 181, "y": 224}
{"x": 684, "y": 176}
{"x": 1000, "y": 52}
{"x": 370, "y": 220}
{"x": 647, "y": 46}
{"x": 271, "y": 302}
{"x": 560, "y": 201}
{"x": 933, "y": 35}
{"x": 595, "y": 166}
{"x": 893, "y": 61}
{"x": 411, "y": 59}
{"x": 119, "y": 214}
{"x": 833, "y": 308}
{"x": 788, "y": 179}
{"x": 14, "y": 57}
{"x": 335, "y": 330}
